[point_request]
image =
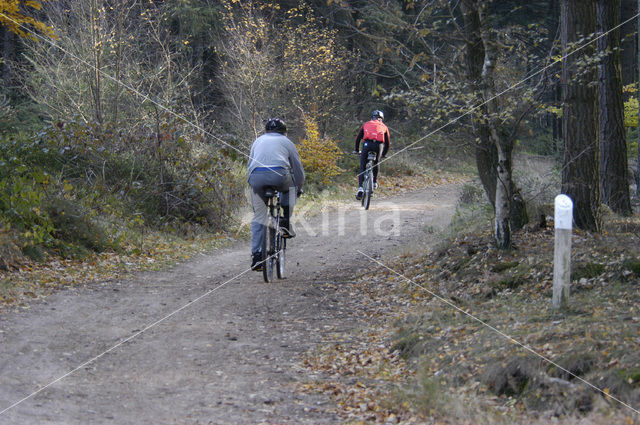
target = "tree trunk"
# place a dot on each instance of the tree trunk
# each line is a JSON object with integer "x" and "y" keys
{"x": 581, "y": 167}
{"x": 486, "y": 151}
{"x": 6, "y": 55}
{"x": 503, "y": 144}
{"x": 96, "y": 49}
{"x": 614, "y": 166}
{"x": 628, "y": 59}
{"x": 118, "y": 59}
{"x": 638, "y": 91}
{"x": 494, "y": 146}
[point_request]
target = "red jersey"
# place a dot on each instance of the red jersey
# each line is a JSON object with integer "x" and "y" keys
{"x": 374, "y": 130}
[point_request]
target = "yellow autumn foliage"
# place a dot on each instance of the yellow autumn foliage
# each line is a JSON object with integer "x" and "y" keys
{"x": 319, "y": 155}
{"x": 631, "y": 112}
{"x": 11, "y": 16}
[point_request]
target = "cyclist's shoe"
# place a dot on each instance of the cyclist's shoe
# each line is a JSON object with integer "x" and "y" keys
{"x": 359, "y": 193}
{"x": 256, "y": 261}
{"x": 375, "y": 185}
{"x": 287, "y": 229}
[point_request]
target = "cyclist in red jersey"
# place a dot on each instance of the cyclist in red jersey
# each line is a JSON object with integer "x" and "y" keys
{"x": 374, "y": 133}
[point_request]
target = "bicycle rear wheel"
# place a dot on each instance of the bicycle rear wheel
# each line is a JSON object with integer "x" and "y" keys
{"x": 268, "y": 251}
{"x": 281, "y": 246}
{"x": 368, "y": 188}
{"x": 364, "y": 186}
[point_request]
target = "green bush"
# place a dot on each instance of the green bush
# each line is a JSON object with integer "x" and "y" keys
{"x": 162, "y": 177}
{"x": 21, "y": 199}
{"x": 57, "y": 185}
{"x": 76, "y": 233}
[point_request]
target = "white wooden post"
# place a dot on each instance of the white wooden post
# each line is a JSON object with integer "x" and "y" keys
{"x": 562, "y": 251}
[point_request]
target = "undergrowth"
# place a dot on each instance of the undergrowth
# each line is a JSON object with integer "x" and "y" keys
{"x": 75, "y": 189}
{"x": 472, "y": 336}
{"x": 505, "y": 351}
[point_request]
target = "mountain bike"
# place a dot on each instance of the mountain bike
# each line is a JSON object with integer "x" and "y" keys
{"x": 367, "y": 183}
{"x": 275, "y": 244}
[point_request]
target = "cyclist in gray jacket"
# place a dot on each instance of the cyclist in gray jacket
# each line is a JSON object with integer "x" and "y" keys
{"x": 273, "y": 161}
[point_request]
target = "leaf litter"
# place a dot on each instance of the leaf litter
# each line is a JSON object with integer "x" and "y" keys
{"x": 422, "y": 361}
{"x": 32, "y": 279}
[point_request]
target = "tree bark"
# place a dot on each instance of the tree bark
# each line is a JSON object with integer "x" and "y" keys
{"x": 628, "y": 59}
{"x": 96, "y": 49}
{"x": 494, "y": 145}
{"x": 581, "y": 167}
{"x": 486, "y": 152}
{"x": 614, "y": 178}
{"x": 504, "y": 146}
{"x": 118, "y": 58}
{"x": 638, "y": 82}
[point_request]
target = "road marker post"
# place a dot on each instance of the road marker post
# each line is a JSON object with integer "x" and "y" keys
{"x": 563, "y": 219}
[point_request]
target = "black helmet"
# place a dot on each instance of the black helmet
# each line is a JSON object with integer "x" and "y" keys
{"x": 275, "y": 124}
{"x": 377, "y": 114}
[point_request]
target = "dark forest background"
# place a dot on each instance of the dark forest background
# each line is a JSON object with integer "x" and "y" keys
{"x": 119, "y": 114}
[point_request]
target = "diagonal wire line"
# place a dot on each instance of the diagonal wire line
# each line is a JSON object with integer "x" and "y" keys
{"x": 143, "y": 96}
{"x": 508, "y": 89}
{"x": 499, "y": 332}
{"x": 471, "y": 110}
{"x": 146, "y": 328}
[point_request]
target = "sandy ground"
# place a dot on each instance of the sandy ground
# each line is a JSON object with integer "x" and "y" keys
{"x": 207, "y": 342}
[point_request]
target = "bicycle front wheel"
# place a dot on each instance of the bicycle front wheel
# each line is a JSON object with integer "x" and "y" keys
{"x": 268, "y": 252}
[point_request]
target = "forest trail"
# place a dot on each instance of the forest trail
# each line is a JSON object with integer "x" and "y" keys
{"x": 218, "y": 346}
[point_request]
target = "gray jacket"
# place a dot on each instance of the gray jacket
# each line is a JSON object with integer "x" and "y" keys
{"x": 276, "y": 150}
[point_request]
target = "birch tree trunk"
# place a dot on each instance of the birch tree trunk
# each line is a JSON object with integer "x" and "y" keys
{"x": 504, "y": 185}
{"x": 485, "y": 151}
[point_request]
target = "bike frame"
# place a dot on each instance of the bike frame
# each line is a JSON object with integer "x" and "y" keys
{"x": 368, "y": 180}
{"x": 274, "y": 243}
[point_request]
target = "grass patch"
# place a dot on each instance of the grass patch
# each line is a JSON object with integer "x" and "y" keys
{"x": 632, "y": 265}
{"x": 587, "y": 271}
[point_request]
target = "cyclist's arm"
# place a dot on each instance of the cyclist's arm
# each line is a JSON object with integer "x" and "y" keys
{"x": 386, "y": 143}
{"x": 296, "y": 166}
{"x": 358, "y": 139}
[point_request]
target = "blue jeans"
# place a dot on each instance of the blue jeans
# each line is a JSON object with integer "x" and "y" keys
{"x": 259, "y": 180}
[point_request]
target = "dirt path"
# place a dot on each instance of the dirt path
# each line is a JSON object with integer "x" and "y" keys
{"x": 211, "y": 350}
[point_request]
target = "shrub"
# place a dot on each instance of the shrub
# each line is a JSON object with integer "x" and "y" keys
{"x": 159, "y": 175}
{"x": 319, "y": 155}
{"x": 56, "y": 186}
{"x": 74, "y": 228}
{"x": 10, "y": 253}
{"x": 21, "y": 200}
